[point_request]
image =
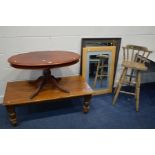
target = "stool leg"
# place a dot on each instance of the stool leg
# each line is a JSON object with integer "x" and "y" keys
{"x": 119, "y": 85}
{"x": 102, "y": 71}
{"x": 96, "y": 75}
{"x": 100, "y": 76}
{"x": 138, "y": 80}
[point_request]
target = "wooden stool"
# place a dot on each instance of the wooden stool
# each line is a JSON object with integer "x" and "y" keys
{"x": 100, "y": 69}
{"x": 134, "y": 59}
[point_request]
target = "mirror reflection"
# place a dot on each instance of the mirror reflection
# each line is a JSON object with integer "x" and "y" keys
{"x": 98, "y": 70}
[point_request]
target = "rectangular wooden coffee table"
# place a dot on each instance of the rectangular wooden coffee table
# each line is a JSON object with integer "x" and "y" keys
{"x": 18, "y": 93}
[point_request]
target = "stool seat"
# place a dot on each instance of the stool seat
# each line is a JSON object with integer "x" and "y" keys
{"x": 103, "y": 56}
{"x": 135, "y": 65}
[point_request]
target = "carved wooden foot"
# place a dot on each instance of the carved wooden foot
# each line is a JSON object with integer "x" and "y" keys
{"x": 86, "y": 103}
{"x": 41, "y": 85}
{"x": 12, "y": 115}
{"x": 55, "y": 83}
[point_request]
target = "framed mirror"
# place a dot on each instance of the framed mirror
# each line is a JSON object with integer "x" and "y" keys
{"x": 98, "y": 67}
{"x": 96, "y": 42}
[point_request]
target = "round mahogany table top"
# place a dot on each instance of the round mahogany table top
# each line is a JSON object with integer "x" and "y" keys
{"x": 43, "y": 59}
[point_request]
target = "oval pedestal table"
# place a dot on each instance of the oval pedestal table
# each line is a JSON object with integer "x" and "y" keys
{"x": 44, "y": 60}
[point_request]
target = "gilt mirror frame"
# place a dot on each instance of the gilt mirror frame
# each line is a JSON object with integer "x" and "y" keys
{"x": 112, "y": 50}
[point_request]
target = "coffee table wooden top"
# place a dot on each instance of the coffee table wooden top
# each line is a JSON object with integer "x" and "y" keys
{"x": 44, "y": 59}
{"x": 18, "y": 92}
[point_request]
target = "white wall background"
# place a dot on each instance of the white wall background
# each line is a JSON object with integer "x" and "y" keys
{"x": 15, "y": 40}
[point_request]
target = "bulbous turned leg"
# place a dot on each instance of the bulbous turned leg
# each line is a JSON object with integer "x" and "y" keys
{"x": 12, "y": 115}
{"x": 86, "y": 103}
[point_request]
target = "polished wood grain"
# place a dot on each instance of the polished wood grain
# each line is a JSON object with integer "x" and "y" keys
{"x": 17, "y": 93}
{"x": 43, "y": 59}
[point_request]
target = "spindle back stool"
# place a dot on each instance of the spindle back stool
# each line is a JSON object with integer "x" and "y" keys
{"x": 134, "y": 62}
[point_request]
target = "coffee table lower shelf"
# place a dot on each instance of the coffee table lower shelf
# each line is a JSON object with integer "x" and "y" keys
{"x": 18, "y": 93}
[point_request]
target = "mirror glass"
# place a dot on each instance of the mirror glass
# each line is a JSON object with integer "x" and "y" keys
{"x": 97, "y": 71}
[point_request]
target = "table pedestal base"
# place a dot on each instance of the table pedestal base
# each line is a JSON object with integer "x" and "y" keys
{"x": 47, "y": 78}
